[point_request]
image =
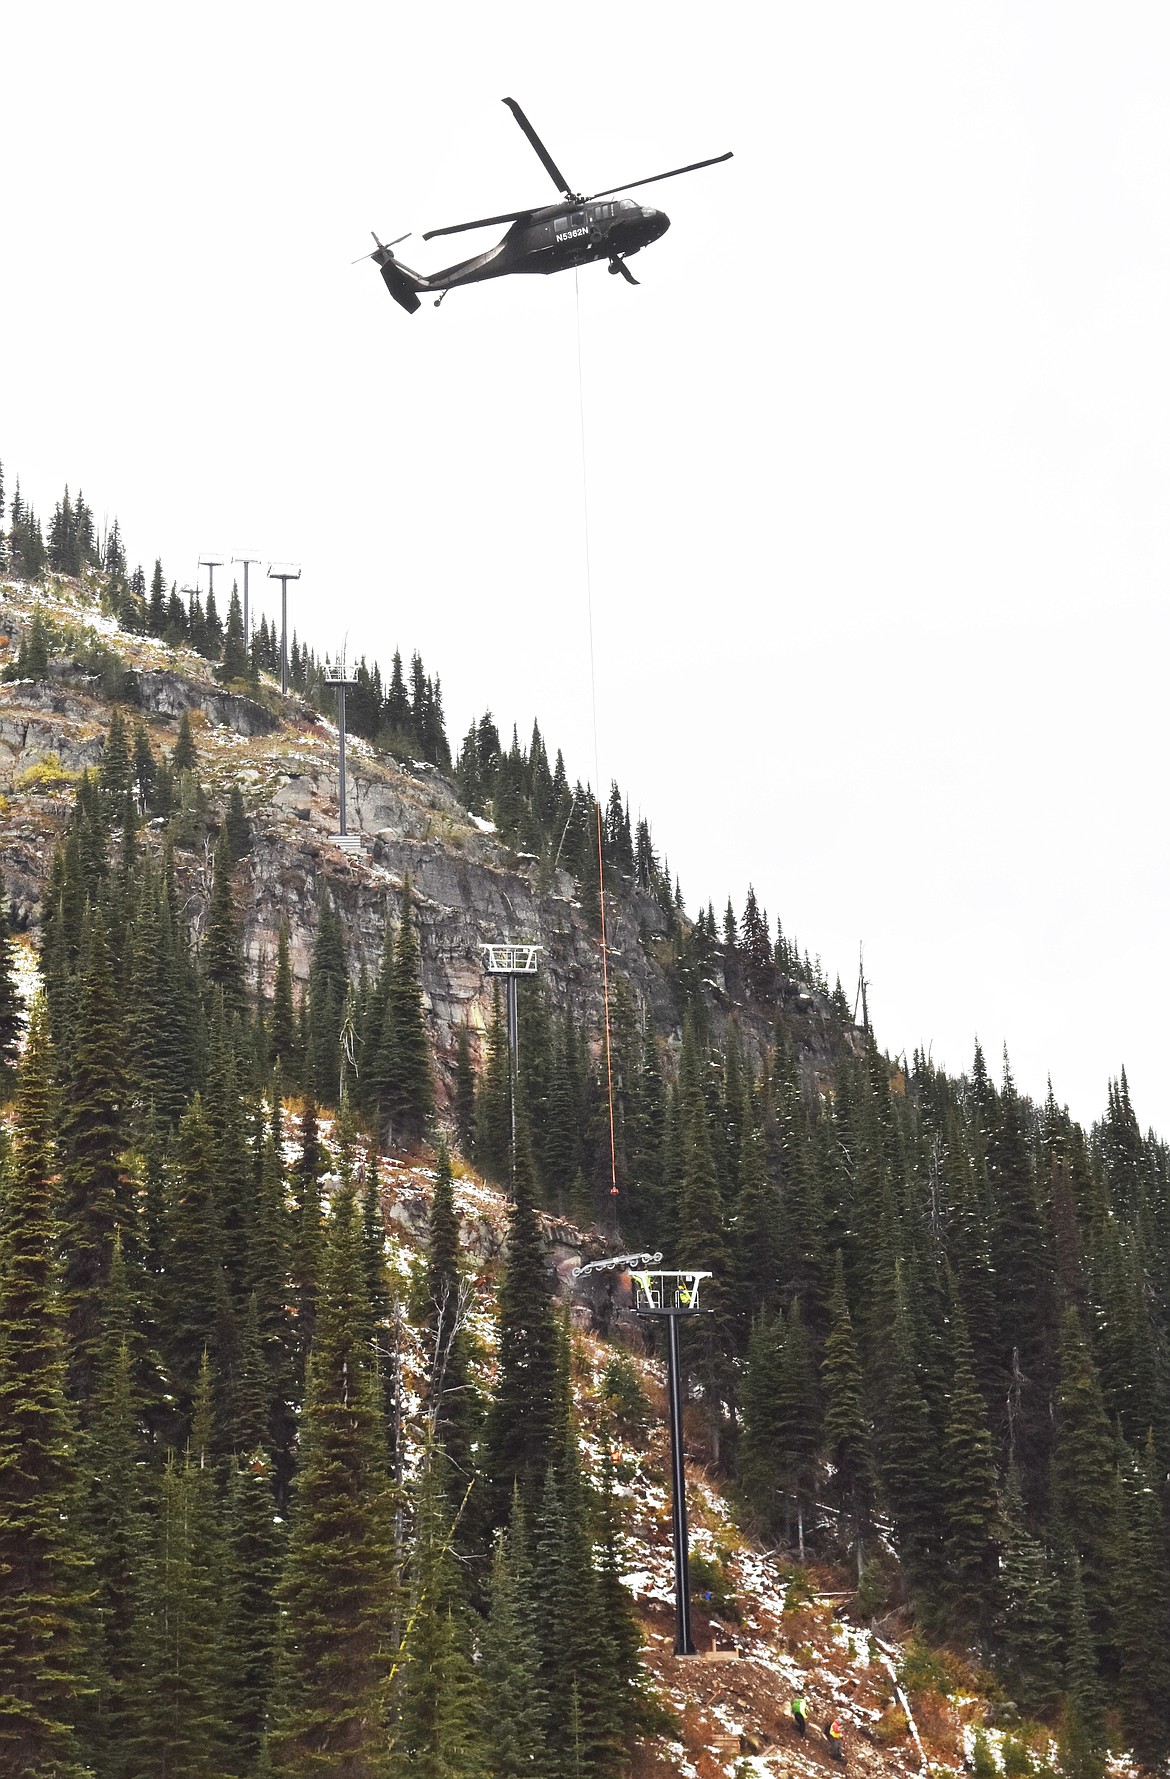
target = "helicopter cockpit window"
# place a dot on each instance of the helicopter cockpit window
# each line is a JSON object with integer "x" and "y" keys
{"x": 627, "y": 204}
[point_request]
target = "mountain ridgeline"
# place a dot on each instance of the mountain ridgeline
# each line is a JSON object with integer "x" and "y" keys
{"x": 239, "y": 1535}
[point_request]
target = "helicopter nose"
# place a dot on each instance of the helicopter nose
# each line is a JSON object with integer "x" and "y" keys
{"x": 654, "y": 223}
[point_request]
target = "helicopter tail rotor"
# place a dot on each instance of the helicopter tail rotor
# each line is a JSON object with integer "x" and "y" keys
{"x": 382, "y": 247}
{"x": 403, "y": 284}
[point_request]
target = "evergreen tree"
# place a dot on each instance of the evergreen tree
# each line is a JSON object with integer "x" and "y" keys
{"x": 198, "y": 1306}
{"x": 761, "y": 1455}
{"x": 846, "y": 1431}
{"x": 179, "y": 1730}
{"x": 282, "y": 1035}
{"x": 1084, "y": 1479}
{"x": 144, "y": 768}
{"x": 410, "y": 1087}
{"x": 337, "y": 1589}
{"x": 967, "y": 1484}
{"x": 45, "y": 1579}
{"x": 375, "y": 1060}
{"x": 254, "y": 1547}
{"x": 115, "y": 1511}
{"x": 328, "y": 986}
{"x": 212, "y": 628}
{"x": 11, "y": 1009}
{"x": 308, "y": 1235}
{"x": 114, "y": 776}
{"x": 1082, "y": 1731}
{"x": 156, "y": 616}
{"x": 906, "y": 1457}
{"x": 464, "y": 1103}
{"x": 223, "y": 961}
{"x": 578, "y": 1669}
{"x": 511, "y": 1660}
{"x": 161, "y": 1029}
{"x": 183, "y": 755}
{"x": 521, "y": 1418}
{"x": 1143, "y": 1612}
{"x": 237, "y": 826}
{"x": 627, "y": 1702}
{"x": 1025, "y": 1627}
{"x": 233, "y": 1165}
{"x": 493, "y": 1110}
{"x": 1022, "y": 1266}
{"x": 451, "y": 1396}
{"x": 96, "y": 1195}
{"x": 439, "y": 1706}
{"x": 798, "y": 1411}
{"x": 234, "y": 665}
{"x": 271, "y": 1235}
{"x": 800, "y": 1215}
{"x": 176, "y": 625}
{"x": 755, "y": 1230}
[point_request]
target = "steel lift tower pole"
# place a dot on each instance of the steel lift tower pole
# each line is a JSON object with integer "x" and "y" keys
{"x": 211, "y": 563}
{"x": 339, "y": 682}
{"x": 671, "y": 1296}
{"x": 284, "y": 572}
{"x": 253, "y": 562}
{"x": 512, "y": 962}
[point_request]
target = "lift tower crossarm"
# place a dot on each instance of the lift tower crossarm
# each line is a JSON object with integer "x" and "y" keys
{"x": 511, "y": 960}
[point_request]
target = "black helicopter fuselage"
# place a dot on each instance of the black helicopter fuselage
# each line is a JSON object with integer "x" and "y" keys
{"x": 558, "y": 237}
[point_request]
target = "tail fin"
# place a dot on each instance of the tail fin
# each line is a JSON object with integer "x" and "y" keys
{"x": 400, "y": 281}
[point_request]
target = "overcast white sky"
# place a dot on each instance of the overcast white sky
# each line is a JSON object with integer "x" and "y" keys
{"x": 879, "y": 453}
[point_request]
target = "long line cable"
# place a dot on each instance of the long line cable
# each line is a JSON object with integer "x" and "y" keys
{"x": 596, "y": 750}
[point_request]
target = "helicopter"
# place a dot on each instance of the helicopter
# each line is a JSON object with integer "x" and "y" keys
{"x": 545, "y": 238}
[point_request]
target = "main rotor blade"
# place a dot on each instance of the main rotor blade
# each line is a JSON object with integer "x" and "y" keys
{"x": 655, "y": 177}
{"x": 483, "y": 222}
{"x": 547, "y": 161}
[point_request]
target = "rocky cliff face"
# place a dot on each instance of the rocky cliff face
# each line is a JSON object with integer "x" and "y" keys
{"x": 469, "y": 887}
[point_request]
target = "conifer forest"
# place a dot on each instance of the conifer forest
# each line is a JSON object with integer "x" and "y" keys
{"x": 295, "y": 1482}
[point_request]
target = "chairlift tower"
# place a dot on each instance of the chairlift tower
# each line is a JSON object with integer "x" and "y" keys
{"x": 670, "y": 1296}
{"x": 248, "y": 562}
{"x": 284, "y": 572}
{"x": 339, "y": 682}
{"x": 211, "y": 563}
{"x": 511, "y": 962}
